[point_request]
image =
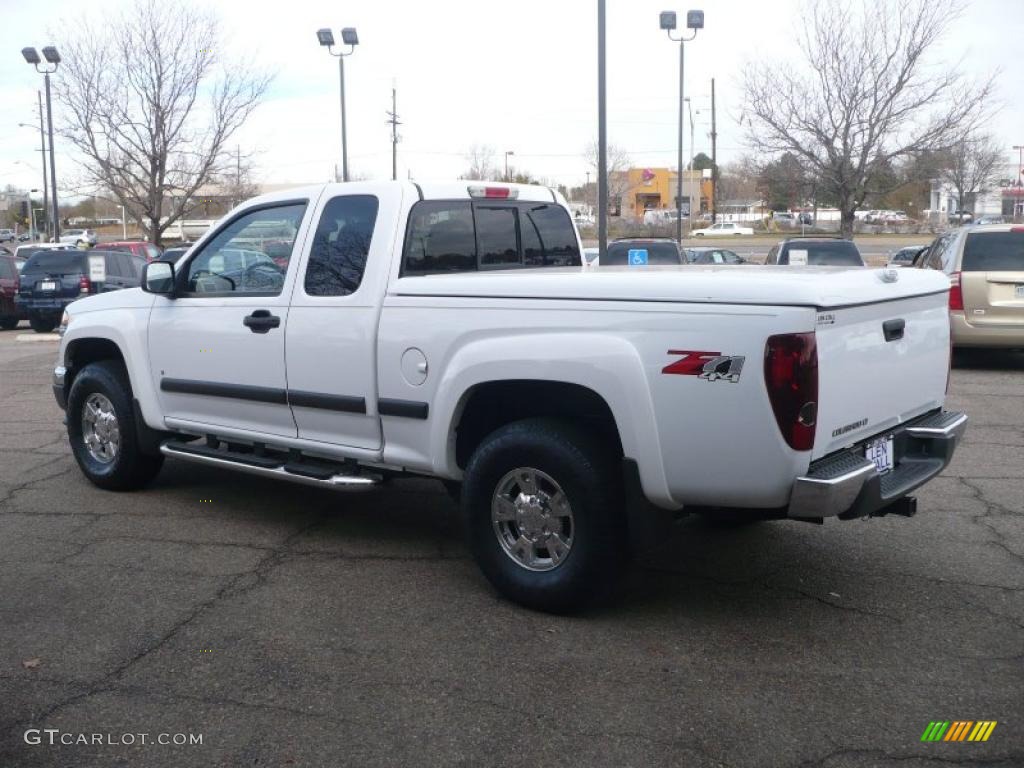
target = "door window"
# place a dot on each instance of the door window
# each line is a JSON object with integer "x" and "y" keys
{"x": 250, "y": 255}
{"x": 337, "y": 258}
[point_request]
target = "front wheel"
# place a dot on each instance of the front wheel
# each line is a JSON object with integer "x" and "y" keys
{"x": 101, "y": 429}
{"x": 542, "y": 503}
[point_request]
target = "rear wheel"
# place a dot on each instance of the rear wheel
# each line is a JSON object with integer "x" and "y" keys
{"x": 542, "y": 503}
{"x": 101, "y": 429}
{"x": 8, "y": 323}
{"x": 42, "y": 323}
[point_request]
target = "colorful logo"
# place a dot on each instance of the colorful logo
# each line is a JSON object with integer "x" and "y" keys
{"x": 959, "y": 730}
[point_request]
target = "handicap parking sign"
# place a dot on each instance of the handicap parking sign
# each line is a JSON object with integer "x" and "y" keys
{"x": 637, "y": 257}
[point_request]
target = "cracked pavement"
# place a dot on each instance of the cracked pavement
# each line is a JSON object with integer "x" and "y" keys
{"x": 296, "y": 627}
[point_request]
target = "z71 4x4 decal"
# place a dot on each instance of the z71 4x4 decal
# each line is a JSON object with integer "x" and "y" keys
{"x": 711, "y": 366}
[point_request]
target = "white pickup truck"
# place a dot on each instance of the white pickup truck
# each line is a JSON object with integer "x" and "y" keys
{"x": 450, "y": 330}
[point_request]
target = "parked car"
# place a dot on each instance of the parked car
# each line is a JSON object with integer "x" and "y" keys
{"x": 988, "y": 220}
{"x": 638, "y": 252}
{"x": 176, "y": 252}
{"x": 79, "y": 237}
{"x": 816, "y": 251}
{"x": 25, "y": 251}
{"x": 51, "y": 279}
{"x": 905, "y": 257}
{"x": 723, "y": 229}
{"x": 713, "y": 256}
{"x": 140, "y": 248}
{"x": 7, "y": 235}
{"x": 10, "y": 312}
{"x": 895, "y": 217}
{"x": 420, "y": 328}
{"x": 985, "y": 265}
{"x": 961, "y": 216}
{"x": 24, "y": 237}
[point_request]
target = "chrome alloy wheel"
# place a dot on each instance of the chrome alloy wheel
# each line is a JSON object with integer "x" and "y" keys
{"x": 532, "y": 519}
{"x": 100, "y": 430}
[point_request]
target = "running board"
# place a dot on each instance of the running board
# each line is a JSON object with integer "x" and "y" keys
{"x": 316, "y": 475}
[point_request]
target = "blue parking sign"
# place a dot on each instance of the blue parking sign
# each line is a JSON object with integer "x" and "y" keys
{"x": 637, "y": 257}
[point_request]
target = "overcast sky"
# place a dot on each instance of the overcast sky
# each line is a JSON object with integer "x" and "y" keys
{"x": 517, "y": 76}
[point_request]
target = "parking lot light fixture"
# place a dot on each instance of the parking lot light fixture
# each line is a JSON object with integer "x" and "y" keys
{"x": 667, "y": 21}
{"x": 507, "y": 153}
{"x": 52, "y": 61}
{"x": 350, "y": 38}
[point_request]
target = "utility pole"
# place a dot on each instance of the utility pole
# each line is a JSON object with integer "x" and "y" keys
{"x": 602, "y": 139}
{"x": 395, "y": 122}
{"x": 714, "y": 158}
{"x": 238, "y": 175}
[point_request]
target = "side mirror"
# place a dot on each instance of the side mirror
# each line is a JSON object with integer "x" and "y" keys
{"x": 158, "y": 277}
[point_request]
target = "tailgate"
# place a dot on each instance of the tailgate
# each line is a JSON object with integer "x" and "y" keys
{"x": 879, "y": 365}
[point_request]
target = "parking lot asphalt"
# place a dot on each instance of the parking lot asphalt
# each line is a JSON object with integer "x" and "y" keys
{"x": 295, "y": 627}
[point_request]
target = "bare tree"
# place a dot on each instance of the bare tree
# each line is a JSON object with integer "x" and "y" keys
{"x": 150, "y": 108}
{"x": 619, "y": 163}
{"x": 482, "y": 166}
{"x": 969, "y": 167}
{"x": 865, "y": 98}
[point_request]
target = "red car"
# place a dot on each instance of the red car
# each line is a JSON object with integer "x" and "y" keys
{"x": 10, "y": 313}
{"x": 139, "y": 248}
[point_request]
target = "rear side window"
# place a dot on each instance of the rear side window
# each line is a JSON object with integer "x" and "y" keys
{"x": 440, "y": 238}
{"x": 58, "y": 262}
{"x": 994, "y": 252}
{"x": 657, "y": 254}
{"x": 459, "y": 236}
{"x": 152, "y": 252}
{"x": 113, "y": 264}
{"x": 341, "y": 244}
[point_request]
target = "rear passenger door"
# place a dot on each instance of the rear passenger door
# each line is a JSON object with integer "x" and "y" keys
{"x": 331, "y": 338}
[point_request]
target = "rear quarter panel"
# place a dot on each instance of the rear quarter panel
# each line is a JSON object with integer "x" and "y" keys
{"x": 696, "y": 441}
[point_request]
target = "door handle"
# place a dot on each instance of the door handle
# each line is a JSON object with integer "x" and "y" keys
{"x": 261, "y": 321}
{"x": 893, "y": 329}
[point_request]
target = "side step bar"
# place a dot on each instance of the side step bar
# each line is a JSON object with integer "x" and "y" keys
{"x": 316, "y": 475}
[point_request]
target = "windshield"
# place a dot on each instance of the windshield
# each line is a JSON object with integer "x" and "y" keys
{"x": 830, "y": 253}
{"x": 994, "y": 252}
{"x": 657, "y": 253}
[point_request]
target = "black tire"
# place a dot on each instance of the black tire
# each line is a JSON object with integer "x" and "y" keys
{"x": 589, "y": 476}
{"x": 9, "y": 323}
{"x": 42, "y": 323}
{"x": 130, "y": 468}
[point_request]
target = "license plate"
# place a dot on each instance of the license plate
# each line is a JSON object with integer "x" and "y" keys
{"x": 48, "y": 285}
{"x": 880, "y": 452}
{"x": 1020, "y": 291}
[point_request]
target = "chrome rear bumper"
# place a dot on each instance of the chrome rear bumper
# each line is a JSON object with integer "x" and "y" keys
{"x": 848, "y": 485}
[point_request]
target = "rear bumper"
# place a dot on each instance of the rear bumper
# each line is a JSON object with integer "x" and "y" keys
{"x": 55, "y": 306}
{"x": 967, "y": 335}
{"x": 847, "y": 485}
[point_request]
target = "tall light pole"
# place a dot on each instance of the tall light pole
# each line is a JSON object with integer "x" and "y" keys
{"x": 52, "y": 60}
{"x": 351, "y": 39}
{"x": 507, "y": 153}
{"x": 694, "y": 21}
{"x": 693, "y": 153}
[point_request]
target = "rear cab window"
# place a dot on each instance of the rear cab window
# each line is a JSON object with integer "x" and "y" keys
{"x": 55, "y": 261}
{"x": 833, "y": 253}
{"x": 994, "y": 252}
{"x": 464, "y": 236}
{"x": 657, "y": 254}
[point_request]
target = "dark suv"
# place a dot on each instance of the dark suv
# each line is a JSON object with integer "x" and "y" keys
{"x": 816, "y": 251}
{"x": 10, "y": 313}
{"x": 53, "y": 279}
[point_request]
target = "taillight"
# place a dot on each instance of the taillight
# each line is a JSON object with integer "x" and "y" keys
{"x": 956, "y": 292}
{"x": 84, "y": 286}
{"x": 791, "y": 375}
{"x": 501, "y": 193}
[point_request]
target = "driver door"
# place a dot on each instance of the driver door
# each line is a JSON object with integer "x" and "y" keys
{"x": 217, "y": 348}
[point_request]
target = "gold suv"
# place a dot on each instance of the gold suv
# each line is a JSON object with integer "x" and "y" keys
{"x": 985, "y": 265}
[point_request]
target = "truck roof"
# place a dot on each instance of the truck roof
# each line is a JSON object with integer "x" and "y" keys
{"x": 428, "y": 190}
